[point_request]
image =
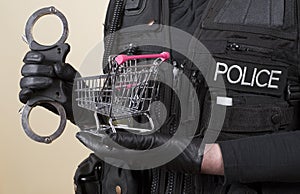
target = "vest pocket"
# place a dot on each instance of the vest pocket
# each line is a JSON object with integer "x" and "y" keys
{"x": 257, "y": 119}
{"x": 257, "y": 89}
{"x": 137, "y": 12}
{"x": 147, "y": 12}
{"x": 267, "y": 17}
{"x": 252, "y": 114}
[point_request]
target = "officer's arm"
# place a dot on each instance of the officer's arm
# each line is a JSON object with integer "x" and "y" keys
{"x": 268, "y": 158}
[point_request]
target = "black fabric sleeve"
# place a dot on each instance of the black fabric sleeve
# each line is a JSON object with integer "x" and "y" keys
{"x": 268, "y": 158}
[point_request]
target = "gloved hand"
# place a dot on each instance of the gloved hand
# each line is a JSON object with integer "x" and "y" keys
{"x": 188, "y": 161}
{"x": 37, "y": 77}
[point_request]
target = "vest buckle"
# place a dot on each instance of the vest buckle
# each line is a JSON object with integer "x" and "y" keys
{"x": 293, "y": 92}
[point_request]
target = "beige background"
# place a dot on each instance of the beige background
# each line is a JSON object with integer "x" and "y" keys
{"x": 27, "y": 167}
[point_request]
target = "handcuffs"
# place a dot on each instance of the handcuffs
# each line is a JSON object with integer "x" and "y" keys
{"x": 53, "y": 96}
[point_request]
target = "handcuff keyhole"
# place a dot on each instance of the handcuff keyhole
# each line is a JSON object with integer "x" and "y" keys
{"x": 59, "y": 50}
{"x": 57, "y": 95}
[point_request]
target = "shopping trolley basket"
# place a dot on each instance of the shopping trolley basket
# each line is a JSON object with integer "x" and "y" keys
{"x": 126, "y": 91}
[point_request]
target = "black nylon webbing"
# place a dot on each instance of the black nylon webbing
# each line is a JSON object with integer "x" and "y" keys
{"x": 257, "y": 119}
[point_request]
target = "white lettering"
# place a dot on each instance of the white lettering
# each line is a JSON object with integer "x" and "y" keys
{"x": 253, "y": 77}
{"x": 272, "y": 78}
{"x": 244, "y": 83}
{"x": 218, "y": 71}
{"x": 257, "y": 78}
{"x": 240, "y": 74}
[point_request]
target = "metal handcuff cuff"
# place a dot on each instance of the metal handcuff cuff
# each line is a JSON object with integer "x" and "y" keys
{"x": 54, "y": 95}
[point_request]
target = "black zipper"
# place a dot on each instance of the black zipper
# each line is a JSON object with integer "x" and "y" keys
{"x": 232, "y": 46}
{"x": 187, "y": 184}
{"x": 155, "y": 181}
{"x": 173, "y": 127}
{"x": 114, "y": 27}
{"x": 171, "y": 183}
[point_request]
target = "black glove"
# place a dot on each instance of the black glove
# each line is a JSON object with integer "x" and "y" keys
{"x": 38, "y": 76}
{"x": 188, "y": 161}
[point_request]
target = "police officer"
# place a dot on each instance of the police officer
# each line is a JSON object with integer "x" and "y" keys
{"x": 256, "y": 48}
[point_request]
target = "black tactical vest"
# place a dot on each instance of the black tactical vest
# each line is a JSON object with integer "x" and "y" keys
{"x": 255, "y": 44}
{"x": 257, "y": 55}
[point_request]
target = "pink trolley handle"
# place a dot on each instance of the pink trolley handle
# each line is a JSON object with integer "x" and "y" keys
{"x": 120, "y": 59}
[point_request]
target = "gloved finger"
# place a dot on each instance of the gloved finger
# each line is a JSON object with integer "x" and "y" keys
{"x": 122, "y": 156}
{"x": 33, "y": 57}
{"x": 139, "y": 142}
{"x": 37, "y": 70}
{"x": 128, "y": 140}
{"x": 65, "y": 71}
{"x": 95, "y": 143}
{"x": 91, "y": 141}
{"x": 35, "y": 82}
{"x": 25, "y": 94}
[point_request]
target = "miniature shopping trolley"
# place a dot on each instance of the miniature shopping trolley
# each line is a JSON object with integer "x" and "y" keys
{"x": 126, "y": 91}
